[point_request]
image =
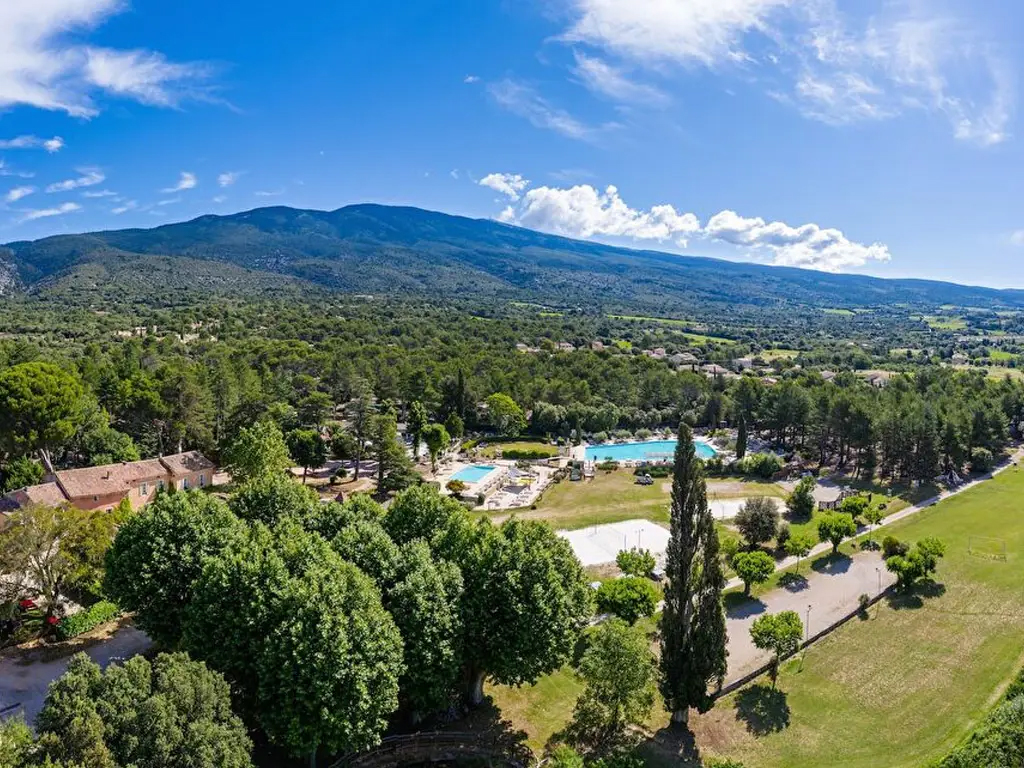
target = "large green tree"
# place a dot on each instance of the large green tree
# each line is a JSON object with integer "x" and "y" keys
{"x": 41, "y": 408}
{"x": 416, "y": 423}
{"x": 619, "y": 672}
{"x": 158, "y": 555}
{"x": 505, "y": 415}
{"x": 307, "y": 448}
{"x": 257, "y": 450}
{"x": 394, "y": 468}
{"x": 304, "y": 637}
{"x": 779, "y": 633}
{"x": 168, "y": 713}
{"x": 693, "y": 652}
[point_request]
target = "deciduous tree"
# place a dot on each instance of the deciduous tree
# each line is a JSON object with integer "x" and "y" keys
{"x": 833, "y": 527}
{"x": 257, "y": 450}
{"x": 779, "y": 633}
{"x": 758, "y": 520}
{"x": 753, "y": 568}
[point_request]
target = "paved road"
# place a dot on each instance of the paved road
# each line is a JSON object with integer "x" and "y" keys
{"x": 24, "y": 682}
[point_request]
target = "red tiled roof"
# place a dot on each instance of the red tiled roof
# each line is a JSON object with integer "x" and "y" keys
{"x": 109, "y": 479}
{"x": 186, "y": 463}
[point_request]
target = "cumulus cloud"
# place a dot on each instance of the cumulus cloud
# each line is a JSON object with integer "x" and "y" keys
{"x": 41, "y": 64}
{"x": 470, "y": 79}
{"x": 838, "y": 66}
{"x": 509, "y": 184}
{"x": 33, "y": 142}
{"x": 46, "y": 213}
{"x": 18, "y": 193}
{"x": 186, "y": 181}
{"x": 90, "y": 178}
{"x": 228, "y": 178}
{"x": 583, "y": 211}
{"x": 807, "y": 245}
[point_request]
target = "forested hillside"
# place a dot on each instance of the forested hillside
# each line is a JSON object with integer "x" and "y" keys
{"x": 380, "y": 249}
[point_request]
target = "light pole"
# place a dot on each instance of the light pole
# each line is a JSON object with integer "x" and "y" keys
{"x": 807, "y": 627}
{"x": 879, "y": 608}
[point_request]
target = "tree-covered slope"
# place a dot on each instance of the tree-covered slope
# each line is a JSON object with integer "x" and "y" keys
{"x": 382, "y": 249}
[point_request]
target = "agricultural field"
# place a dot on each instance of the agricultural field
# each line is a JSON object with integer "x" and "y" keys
{"x": 839, "y": 312}
{"x": 772, "y": 355}
{"x": 944, "y": 322}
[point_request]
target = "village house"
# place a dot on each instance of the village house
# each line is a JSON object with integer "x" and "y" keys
{"x": 105, "y": 487}
{"x": 597, "y": 346}
{"x": 828, "y": 375}
{"x": 565, "y": 346}
{"x": 743, "y": 363}
{"x": 685, "y": 360}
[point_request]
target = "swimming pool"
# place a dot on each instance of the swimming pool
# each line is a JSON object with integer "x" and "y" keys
{"x": 654, "y": 450}
{"x": 474, "y": 473}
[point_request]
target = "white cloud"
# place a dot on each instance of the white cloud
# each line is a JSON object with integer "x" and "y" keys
{"x": 601, "y": 77}
{"x": 1017, "y": 238}
{"x": 90, "y": 178}
{"x": 220, "y": 199}
{"x": 170, "y": 201}
{"x": 470, "y": 79}
{"x": 97, "y": 193}
{"x": 129, "y": 205}
{"x": 228, "y": 178}
{"x": 42, "y": 65}
{"x": 33, "y": 142}
{"x": 522, "y": 100}
{"x": 16, "y": 194}
{"x": 269, "y": 193}
{"x": 807, "y": 245}
{"x": 453, "y": 173}
{"x": 584, "y": 212}
{"x": 48, "y": 212}
{"x": 839, "y": 66}
{"x": 186, "y": 181}
{"x": 5, "y": 170}
{"x": 509, "y": 184}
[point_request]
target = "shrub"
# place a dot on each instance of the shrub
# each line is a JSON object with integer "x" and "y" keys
{"x": 643, "y": 434}
{"x": 654, "y": 470}
{"x": 981, "y": 460}
{"x": 753, "y": 568}
{"x": 83, "y": 621}
{"x": 630, "y": 598}
{"x": 608, "y": 466}
{"x": 855, "y": 506}
{"x": 520, "y": 454}
{"x": 783, "y": 535}
{"x": 456, "y": 486}
{"x": 635, "y": 561}
{"x": 729, "y": 547}
{"x": 763, "y": 465}
{"x": 893, "y": 547}
{"x": 801, "y": 501}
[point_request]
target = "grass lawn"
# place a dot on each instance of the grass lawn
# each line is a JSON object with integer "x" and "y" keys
{"x": 840, "y": 312}
{"x": 490, "y": 450}
{"x": 612, "y": 497}
{"x": 1001, "y": 355}
{"x": 944, "y": 322}
{"x": 903, "y": 687}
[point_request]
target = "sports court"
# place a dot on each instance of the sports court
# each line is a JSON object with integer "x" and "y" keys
{"x": 600, "y": 544}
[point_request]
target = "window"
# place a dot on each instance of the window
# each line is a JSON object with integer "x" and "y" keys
{"x": 202, "y": 481}
{"x": 184, "y": 484}
{"x": 160, "y": 485}
{"x": 144, "y": 490}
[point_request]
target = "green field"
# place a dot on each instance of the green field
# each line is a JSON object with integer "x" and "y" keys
{"x": 903, "y": 687}
{"x": 944, "y": 323}
{"x": 839, "y": 312}
{"x": 897, "y": 689}
{"x": 1001, "y": 355}
{"x": 660, "y": 320}
{"x": 778, "y": 354}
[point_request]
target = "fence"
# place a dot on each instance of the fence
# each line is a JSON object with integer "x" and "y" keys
{"x": 435, "y": 747}
{"x": 831, "y": 506}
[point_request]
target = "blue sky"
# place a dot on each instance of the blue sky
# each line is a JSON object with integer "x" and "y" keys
{"x": 876, "y": 136}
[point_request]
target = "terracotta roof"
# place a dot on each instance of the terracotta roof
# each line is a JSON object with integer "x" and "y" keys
{"x": 186, "y": 463}
{"x": 109, "y": 479}
{"x": 48, "y": 494}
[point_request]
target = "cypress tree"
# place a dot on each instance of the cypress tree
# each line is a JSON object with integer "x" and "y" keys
{"x": 741, "y": 438}
{"x": 693, "y": 653}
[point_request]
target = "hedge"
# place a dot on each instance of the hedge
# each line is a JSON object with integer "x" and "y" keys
{"x": 534, "y": 455}
{"x": 83, "y": 621}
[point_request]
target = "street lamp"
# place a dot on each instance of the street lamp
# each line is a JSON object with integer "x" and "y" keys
{"x": 807, "y": 627}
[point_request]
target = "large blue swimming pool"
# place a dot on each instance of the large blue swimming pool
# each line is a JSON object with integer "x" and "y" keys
{"x": 474, "y": 473}
{"x": 654, "y": 450}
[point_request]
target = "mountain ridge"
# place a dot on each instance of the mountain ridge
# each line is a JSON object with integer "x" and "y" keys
{"x": 372, "y": 248}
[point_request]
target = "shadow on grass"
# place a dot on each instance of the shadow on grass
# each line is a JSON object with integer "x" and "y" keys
{"x": 673, "y": 746}
{"x": 832, "y": 564}
{"x": 738, "y": 606}
{"x": 914, "y": 598}
{"x": 794, "y": 582}
{"x": 764, "y": 709}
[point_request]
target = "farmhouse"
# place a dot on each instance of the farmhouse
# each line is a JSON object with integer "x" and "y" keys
{"x": 104, "y": 487}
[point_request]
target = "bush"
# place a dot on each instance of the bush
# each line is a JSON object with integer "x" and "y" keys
{"x": 783, "y": 535}
{"x": 654, "y": 470}
{"x": 981, "y": 460}
{"x": 729, "y": 546}
{"x": 763, "y": 465}
{"x": 519, "y": 454}
{"x": 608, "y": 466}
{"x": 83, "y": 621}
{"x": 630, "y": 598}
{"x": 643, "y": 434}
{"x": 893, "y": 547}
{"x": 635, "y": 561}
{"x": 456, "y": 486}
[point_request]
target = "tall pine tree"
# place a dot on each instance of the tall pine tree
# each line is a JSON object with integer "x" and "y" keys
{"x": 693, "y": 654}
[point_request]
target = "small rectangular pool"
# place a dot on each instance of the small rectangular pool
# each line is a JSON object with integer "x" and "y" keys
{"x": 652, "y": 450}
{"x": 474, "y": 473}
